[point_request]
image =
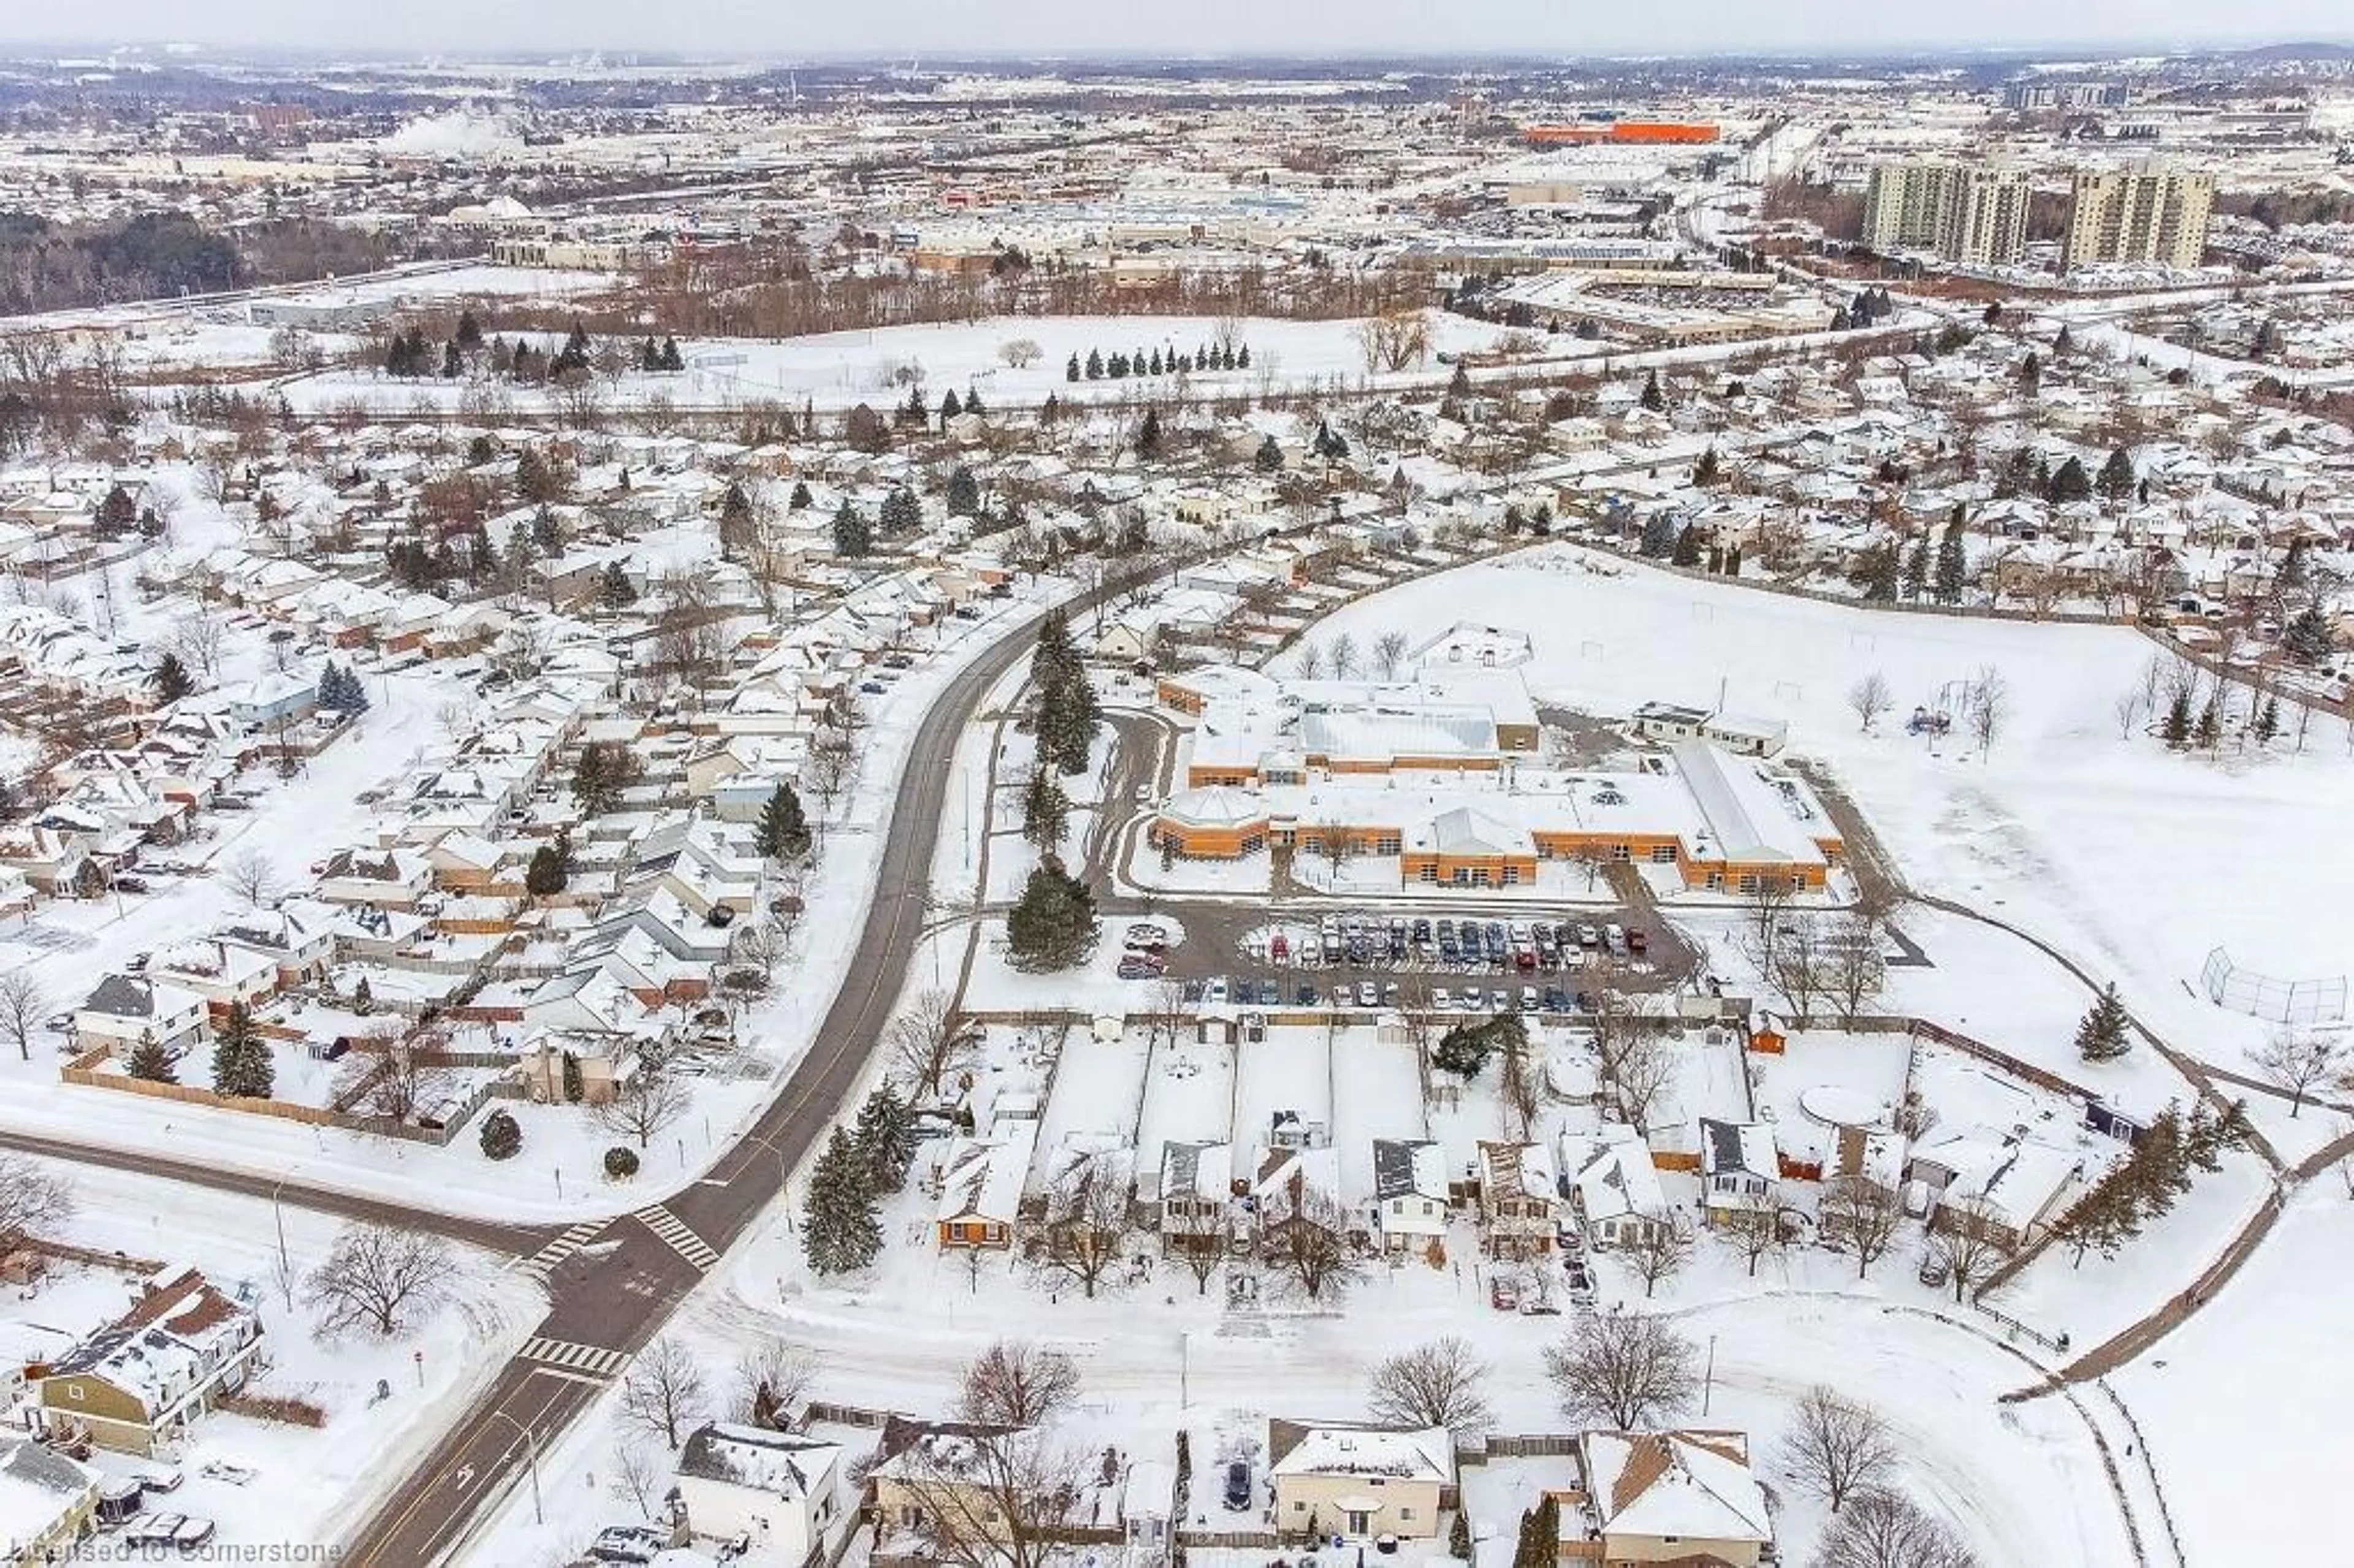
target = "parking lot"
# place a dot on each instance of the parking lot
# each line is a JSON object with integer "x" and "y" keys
{"x": 1359, "y": 961}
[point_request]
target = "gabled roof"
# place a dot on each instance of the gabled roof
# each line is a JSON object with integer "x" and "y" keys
{"x": 1684, "y": 1486}
{"x": 1342, "y": 1449}
{"x": 778, "y": 1464}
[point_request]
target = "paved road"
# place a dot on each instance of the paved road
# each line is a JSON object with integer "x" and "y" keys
{"x": 610, "y": 1300}
{"x": 499, "y": 1237}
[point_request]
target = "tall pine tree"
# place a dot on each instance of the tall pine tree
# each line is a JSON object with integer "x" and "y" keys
{"x": 887, "y": 1139}
{"x": 783, "y": 833}
{"x": 242, "y": 1066}
{"x": 840, "y": 1230}
{"x": 2102, "y": 1036}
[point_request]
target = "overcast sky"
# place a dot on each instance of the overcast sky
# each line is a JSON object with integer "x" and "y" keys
{"x": 790, "y": 29}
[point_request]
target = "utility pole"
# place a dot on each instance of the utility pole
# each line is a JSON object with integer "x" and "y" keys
{"x": 1708, "y": 1385}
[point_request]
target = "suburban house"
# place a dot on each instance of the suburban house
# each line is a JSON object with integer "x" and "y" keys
{"x": 222, "y": 972}
{"x": 394, "y": 878}
{"x": 1739, "y": 1167}
{"x": 1615, "y": 1194}
{"x": 137, "y": 1384}
{"x": 923, "y": 1470}
{"x": 1359, "y": 1480}
{"x": 769, "y": 1497}
{"x": 2016, "y": 1185}
{"x": 981, "y": 1187}
{"x": 1519, "y": 1203}
{"x": 1196, "y": 1190}
{"x": 126, "y": 1009}
{"x": 1685, "y": 1497}
{"x": 48, "y": 1502}
{"x": 1410, "y": 1209}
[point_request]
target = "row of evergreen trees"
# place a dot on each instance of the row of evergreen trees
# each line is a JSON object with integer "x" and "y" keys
{"x": 242, "y": 1065}
{"x": 341, "y": 691}
{"x": 2164, "y": 1164}
{"x": 899, "y": 515}
{"x": 1121, "y": 366}
{"x": 915, "y": 415}
{"x": 841, "y": 1227}
{"x": 1066, "y": 713}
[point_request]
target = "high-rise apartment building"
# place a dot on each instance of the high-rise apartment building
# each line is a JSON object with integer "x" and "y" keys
{"x": 1974, "y": 215}
{"x": 2146, "y": 213}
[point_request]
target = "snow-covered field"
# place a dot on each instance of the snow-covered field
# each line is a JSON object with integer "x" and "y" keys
{"x": 2134, "y": 860}
{"x": 839, "y": 370}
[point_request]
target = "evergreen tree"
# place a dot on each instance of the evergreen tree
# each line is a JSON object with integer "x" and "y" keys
{"x": 454, "y": 361}
{"x": 737, "y": 529}
{"x": 2031, "y": 373}
{"x": 1241, "y": 359}
{"x": 2103, "y": 1036}
{"x": 839, "y": 1232}
{"x": 1914, "y": 579}
{"x": 614, "y": 590}
{"x": 1053, "y": 925}
{"x": 1464, "y": 1050}
{"x": 363, "y": 996}
{"x": 783, "y": 833}
{"x": 801, "y": 500}
{"x": 1659, "y": 540}
{"x": 2309, "y": 637}
{"x": 950, "y": 407}
{"x": 2116, "y": 481}
{"x": 546, "y": 875}
{"x": 2070, "y": 483}
{"x": 671, "y": 357}
{"x": 575, "y": 1086}
{"x": 151, "y": 1062}
{"x": 170, "y": 680}
{"x": 1458, "y": 1534}
{"x": 964, "y": 492}
{"x": 502, "y": 1136}
{"x": 852, "y": 534}
{"x": 1709, "y": 470}
{"x": 2106, "y": 1217}
{"x": 1687, "y": 546}
{"x": 1653, "y": 398}
{"x": 1268, "y": 458}
{"x": 1877, "y": 572}
{"x": 1953, "y": 566}
{"x": 1045, "y": 811}
{"x": 242, "y": 1065}
{"x": 1095, "y": 364}
{"x": 1071, "y": 371}
{"x": 1117, "y": 366}
{"x": 469, "y": 336}
{"x": 1148, "y": 435}
{"x": 2267, "y": 722}
{"x": 901, "y": 512}
{"x": 2176, "y": 730}
{"x": 602, "y": 775}
{"x": 972, "y": 403}
{"x": 2293, "y": 570}
{"x": 885, "y": 1138}
{"x": 2210, "y": 731}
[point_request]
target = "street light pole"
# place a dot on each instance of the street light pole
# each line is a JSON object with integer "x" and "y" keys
{"x": 1708, "y": 1386}
{"x": 531, "y": 1461}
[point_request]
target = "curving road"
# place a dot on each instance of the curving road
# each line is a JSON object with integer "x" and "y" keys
{"x": 609, "y": 1300}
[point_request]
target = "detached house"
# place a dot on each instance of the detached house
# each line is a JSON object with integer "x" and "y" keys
{"x": 1666, "y": 1497}
{"x": 768, "y": 1497}
{"x": 1615, "y": 1194}
{"x": 1359, "y": 1480}
{"x": 1519, "y": 1205}
{"x": 1739, "y": 1167}
{"x": 126, "y": 1009}
{"x": 141, "y": 1381}
{"x": 981, "y": 1187}
{"x": 1410, "y": 1206}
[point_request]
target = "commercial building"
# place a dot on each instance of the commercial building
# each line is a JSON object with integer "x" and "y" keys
{"x": 2148, "y": 213}
{"x": 1974, "y": 215}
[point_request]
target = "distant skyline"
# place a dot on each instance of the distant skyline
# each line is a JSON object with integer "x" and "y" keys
{"x": 1031, "y": 29}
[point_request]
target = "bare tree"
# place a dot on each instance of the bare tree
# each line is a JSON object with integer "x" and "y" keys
{"x": 1864, "y": 1214}
{"x": 1795, "y": 961}
{"x": 1336, "y": 847}
{"x": 1986, "y": 709}
{"x": 643, "y": 1105}
{"x": 1308, "y": 662}
{"x": 1395, "y": 340}
{"x": 380, "y": 1277}
{"x": 1305, "y": 1240}
{"x": 1344, "y": 656}
{"x": 771, "y": 1379}
{"x": 250, "y": 877}
{"x": 1170, "y": 1009}
{"x": 641, "y": 1477}
{"x": 1629, "y": 1370}
{"x": 23, "y": 1003}
{"x": 2128, "y": 710}
{"x": 991, "y": 1499}
{"x": 1657, "y": 1250}
{"x": 1197, "y": 1236}
{"x": 408, "y": 1076}
{"x": 832, "y": 759}
{"x": 197, "y": 638}
{"x": 1018, "y": 352}
{"x": 1883, "y": 1529}
{"x": 2292, "y": 1061}
{"x": 662, "y": 1394}
{"x": 1765, "y": 902}
{"x": 930, "y": 1043}
{"x": 1752, "y": 1233}
{"x": 1854, "y": 968}
{"x": 1640, "y": 1070}
{"x": 34, "y": 1200}
{"x": 1869, "y": 698}
{"x": 1389, "y": 654}
{"x": 1836, "y": 1447}
{"x": 1088, "y": 1230}
{"x": 1969, "y": 1243}
{"x": 1441, "y": 1383}
{"x": 1015, "y": 1383}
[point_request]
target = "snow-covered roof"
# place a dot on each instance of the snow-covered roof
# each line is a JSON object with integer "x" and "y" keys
{"x": 778, "y": 1464}
{"x": 1341, "y": 1450}
{"x": 1619, "y": 1180}
{"x": 1675, "y": 1486}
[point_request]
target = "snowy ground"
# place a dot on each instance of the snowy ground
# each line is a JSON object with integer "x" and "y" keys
{"x": 2134, "y": 860}
{"x": 310, "y": 1484}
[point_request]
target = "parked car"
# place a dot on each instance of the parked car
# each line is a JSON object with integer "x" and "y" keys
{"x": 1367, "y": 994}
{"x": 1305, "y": 996}
{"x": 1637, "y": 939}
{"x": 872, "y": 688}
{"x": 1589, "y": 937}
{"x": 1581, "y": 1284}
{"x": 1214, "y": 993}
{"x": 126, "y": 882}
{"x": 1141, "y": 966}
{"x": 152, "y": 1532}
{"x": 1935, "y": 1272}
{"x": 1239, "y": 1485}
{"x": 631, "y": 1545}
{"x": 1503, "y": 1295}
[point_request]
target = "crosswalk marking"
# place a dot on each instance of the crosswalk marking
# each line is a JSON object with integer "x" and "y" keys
{"x": 673, "y": 1231}
{"x": 545, "y": 1371}
{"x": 594, "y": 1360}
{"x": 541, "y": 1264}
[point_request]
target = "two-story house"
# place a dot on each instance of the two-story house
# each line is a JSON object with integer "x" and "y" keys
{"x": 1359, "y": 1481}
{"x": 1410, "y": 1208}
{"x": 140, "y": 1382}
{"x": 1740, "y": 1168}
{"x": 1519, "y": 1206}
{"x": 771, "y": 1498}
